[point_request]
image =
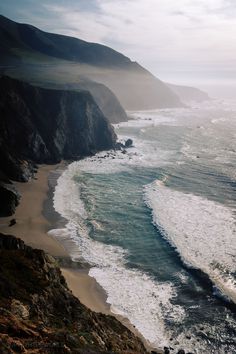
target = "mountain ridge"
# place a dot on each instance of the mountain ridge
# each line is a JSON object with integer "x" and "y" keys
{"x": 134, "y": 86}
{"x": 27, "y": 34}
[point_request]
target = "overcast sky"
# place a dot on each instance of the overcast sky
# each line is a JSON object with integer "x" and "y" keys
{"x": 187, "y": 41}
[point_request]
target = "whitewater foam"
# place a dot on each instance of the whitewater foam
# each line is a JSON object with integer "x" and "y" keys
{"x": 132, "y": 293}
{"x": 144, "y": 301}
{"x": 66, "y": 198}
{"x": 189, "y": 222}
{"x": 202, "y": 231}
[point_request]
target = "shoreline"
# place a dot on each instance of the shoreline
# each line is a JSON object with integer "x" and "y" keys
{"x": 31, "y": 225}
{"x": 35, "y": 216}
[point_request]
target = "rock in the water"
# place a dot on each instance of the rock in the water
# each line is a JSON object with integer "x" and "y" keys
{"x": 128, "y": 143}
{"x": 119, "y": 146}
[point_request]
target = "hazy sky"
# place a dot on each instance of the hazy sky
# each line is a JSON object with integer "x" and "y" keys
{"x": 178, "y": 40}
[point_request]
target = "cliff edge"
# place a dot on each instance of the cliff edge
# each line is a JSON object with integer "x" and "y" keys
{"x": 41, "y": 125}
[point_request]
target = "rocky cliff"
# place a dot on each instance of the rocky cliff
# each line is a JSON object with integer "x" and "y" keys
{"x": 39, "y": 314}
{"x": 102, "y": 95}
{"x": 44, "y": 126}
{"x": 105, "y": 99}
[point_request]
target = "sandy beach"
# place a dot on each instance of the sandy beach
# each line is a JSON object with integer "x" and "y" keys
{"x": 33, "y": 221}
{"x": 32, "y": 227}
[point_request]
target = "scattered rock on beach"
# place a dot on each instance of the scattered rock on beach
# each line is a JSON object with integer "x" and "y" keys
{"x": 12, "y": 222}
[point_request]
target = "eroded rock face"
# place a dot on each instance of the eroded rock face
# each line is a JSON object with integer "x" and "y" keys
{"x": 38, "y": 312}
{"x": 105, "y": 98}
{"x": 44, "y": 126}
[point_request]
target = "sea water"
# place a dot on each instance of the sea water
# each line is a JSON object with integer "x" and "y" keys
{"x": 157, "y": 224}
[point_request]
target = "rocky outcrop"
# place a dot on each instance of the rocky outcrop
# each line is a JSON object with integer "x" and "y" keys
{"x": 44, "y": 126}
{"x": 39, "y": 313}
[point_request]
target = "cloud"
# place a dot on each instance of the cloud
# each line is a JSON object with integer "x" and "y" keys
{"x": 163, "y": 35}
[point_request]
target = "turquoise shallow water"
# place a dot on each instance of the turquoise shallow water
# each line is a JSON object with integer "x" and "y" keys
{"x": 158, "y": 225}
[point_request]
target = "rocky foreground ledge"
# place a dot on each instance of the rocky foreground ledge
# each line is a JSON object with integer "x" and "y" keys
{"x": 39, "y": 314}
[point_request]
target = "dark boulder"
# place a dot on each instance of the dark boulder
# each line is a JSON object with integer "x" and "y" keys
{"x": 119, "y": 146}
{"x": 128, "y": 143}
{"x": 12, "y": 222}
{"x": 9, "y": 199}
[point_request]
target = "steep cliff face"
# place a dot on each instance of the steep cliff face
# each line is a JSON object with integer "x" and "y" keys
{"x": 105, "y": 99}
{"x": 39, "y": 313}
{"x": 102, "y": 95}
{"x": 45, "y": 126}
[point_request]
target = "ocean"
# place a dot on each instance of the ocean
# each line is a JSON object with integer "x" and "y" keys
{"x": 157, "y": 224}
